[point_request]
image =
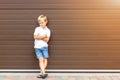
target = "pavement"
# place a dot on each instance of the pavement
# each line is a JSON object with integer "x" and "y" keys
{"x": 61, "y": 76}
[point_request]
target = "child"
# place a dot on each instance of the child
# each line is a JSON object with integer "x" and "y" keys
{"x": 42, "y": 36}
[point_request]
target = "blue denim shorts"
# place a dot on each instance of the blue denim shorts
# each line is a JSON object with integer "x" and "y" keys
{"x": 42, "y": 52}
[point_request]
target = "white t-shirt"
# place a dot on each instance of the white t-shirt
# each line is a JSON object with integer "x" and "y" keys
{"x": 41, "y": 31}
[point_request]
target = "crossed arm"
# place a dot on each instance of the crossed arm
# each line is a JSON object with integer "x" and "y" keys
{"x": 44, "y": 38}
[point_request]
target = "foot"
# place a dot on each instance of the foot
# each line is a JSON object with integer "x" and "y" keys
{"x": 39, "y": 76}
{"x": 44, "y": 76}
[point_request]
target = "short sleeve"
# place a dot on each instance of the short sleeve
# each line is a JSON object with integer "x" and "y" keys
{"x": 36, "y": 31}
{"x": 48, "y": 33}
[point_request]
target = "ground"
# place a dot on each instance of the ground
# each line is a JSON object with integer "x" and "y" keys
{"x": 61, "y": 76}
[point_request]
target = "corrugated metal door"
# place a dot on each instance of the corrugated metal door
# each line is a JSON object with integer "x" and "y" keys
{"x": 85, "y": 34}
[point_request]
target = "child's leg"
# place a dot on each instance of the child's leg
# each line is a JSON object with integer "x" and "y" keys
{"x": 45, "y": 62}
{"x": 45, "y": 53}
{"x": 41, "y": 65}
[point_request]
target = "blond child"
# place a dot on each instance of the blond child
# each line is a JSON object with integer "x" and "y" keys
{"x": 41, "y": 38}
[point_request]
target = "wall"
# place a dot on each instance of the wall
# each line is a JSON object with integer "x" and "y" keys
{"x": 85, "y": 34}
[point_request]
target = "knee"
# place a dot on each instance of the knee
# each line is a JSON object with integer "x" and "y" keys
{"x": 41, "y": 59}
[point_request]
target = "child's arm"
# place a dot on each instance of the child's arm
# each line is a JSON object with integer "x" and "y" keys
{"x": 39, "y": 37}
{"x": 46, "y": 38}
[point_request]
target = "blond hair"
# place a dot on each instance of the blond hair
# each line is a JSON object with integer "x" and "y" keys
{"x": 42, "y": 17}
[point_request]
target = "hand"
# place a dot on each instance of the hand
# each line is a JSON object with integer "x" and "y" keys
{"x": 45, "y": 36}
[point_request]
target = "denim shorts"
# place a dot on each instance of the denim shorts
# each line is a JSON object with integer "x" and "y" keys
{"x": 42, "y": 52}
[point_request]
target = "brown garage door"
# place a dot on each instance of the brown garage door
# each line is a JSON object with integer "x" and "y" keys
{"x": 85, "y": 34}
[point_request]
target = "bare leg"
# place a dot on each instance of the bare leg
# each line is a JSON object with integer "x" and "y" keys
{"x": 41, "y": 65}
{"x": 45, "y": 62}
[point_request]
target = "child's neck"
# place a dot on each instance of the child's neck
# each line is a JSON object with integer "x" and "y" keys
{"x": 43, "y": 27}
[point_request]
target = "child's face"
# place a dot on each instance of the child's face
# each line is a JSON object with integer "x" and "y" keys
{"x": 42, "y": 23}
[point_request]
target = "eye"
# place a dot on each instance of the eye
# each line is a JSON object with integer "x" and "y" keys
{"x": 41, "y": 22}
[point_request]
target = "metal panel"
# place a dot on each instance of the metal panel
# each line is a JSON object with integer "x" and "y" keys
{"x": 85, "y": 34}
